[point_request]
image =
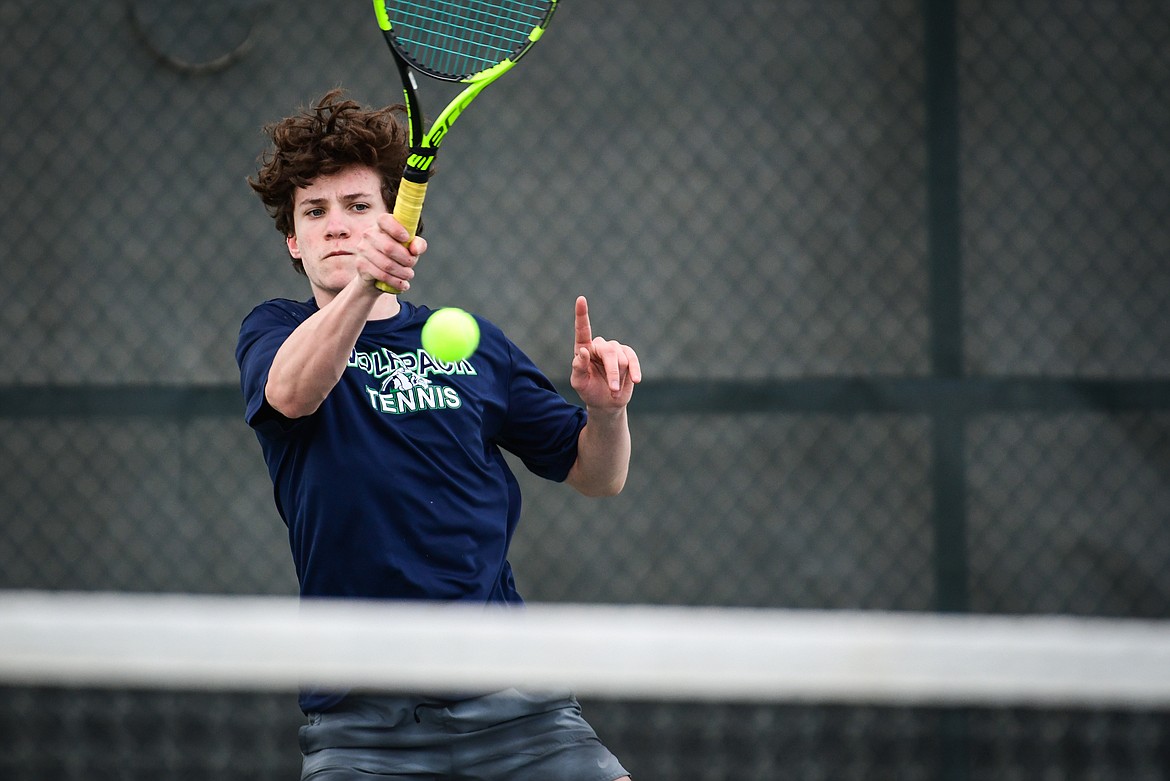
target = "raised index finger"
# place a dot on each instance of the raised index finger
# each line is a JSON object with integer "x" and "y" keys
{"x": 584, "y": 333}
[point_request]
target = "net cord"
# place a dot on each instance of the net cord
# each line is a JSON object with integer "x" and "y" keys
{"x": 619, "y": 652}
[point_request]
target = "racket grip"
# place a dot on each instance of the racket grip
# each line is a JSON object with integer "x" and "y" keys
{"x": 408, "y": 205}
{"x": 408, "y": 211}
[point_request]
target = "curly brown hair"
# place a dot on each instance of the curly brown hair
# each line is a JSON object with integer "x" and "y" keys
{"x": 331, "y": 136}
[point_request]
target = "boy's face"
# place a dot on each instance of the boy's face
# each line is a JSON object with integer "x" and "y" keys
{"x": 329, "y": 218}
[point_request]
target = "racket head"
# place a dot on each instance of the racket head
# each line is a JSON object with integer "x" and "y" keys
{"x": 462, "y": 40}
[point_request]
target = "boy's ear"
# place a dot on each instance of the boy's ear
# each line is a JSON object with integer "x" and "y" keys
{"x": 293, "y": 248}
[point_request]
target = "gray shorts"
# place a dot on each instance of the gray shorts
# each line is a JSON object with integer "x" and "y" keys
{"x": 505, "y": 735}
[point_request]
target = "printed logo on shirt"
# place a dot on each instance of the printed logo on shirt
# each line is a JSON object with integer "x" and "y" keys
{"x": 404, "y": 381}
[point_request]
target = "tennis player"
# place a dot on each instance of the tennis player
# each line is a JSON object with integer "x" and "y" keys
{"x": 387, "y": 463}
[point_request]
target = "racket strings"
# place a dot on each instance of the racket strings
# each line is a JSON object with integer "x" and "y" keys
{"x": 451, "y": 38}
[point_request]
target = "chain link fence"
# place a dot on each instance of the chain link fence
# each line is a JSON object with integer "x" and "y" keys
{"x": 896, "y": 271}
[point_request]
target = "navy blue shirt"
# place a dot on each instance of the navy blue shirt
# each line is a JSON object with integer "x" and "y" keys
{"x": 396, "y": 487}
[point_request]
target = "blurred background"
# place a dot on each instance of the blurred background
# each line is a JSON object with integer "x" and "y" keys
{"x": 897, "y": 272}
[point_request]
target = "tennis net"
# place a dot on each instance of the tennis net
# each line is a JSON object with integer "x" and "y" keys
{"x": 802, "y": 694}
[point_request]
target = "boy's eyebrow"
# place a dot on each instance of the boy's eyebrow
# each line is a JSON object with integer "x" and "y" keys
{"x": 346, "y": 198}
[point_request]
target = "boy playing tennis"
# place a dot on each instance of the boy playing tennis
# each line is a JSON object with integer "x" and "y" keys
{"x": 387, "y": 463}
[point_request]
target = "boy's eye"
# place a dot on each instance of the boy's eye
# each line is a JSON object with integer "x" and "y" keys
{"x": 314, "y": 212}
{"x": 361, "y": 207}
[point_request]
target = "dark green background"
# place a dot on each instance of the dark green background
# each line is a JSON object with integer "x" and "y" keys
{"x": 897, "y": 272}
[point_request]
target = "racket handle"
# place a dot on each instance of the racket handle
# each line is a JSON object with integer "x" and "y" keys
{"x": 408, "y": 205}
{"x": 408, "y": 211}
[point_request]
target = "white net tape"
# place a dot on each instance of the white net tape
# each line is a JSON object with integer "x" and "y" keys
{"x": 636, "y": 652}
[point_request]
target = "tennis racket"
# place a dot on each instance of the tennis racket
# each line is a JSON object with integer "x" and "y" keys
{"x": 469, "y": 41}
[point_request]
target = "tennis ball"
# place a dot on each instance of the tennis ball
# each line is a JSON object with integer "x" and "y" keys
{"x": 450, "y": 334}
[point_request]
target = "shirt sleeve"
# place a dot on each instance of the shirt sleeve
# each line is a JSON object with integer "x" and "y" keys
{"x": 261, "y": 335}
{"x": 541, "y": 427}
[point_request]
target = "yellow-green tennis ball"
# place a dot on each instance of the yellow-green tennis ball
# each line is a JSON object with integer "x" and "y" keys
{"x": 450, "y": 334}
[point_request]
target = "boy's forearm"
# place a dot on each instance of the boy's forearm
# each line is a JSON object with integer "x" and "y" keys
{"x": 310, "y": 362}
{"x": 603, "y": 455}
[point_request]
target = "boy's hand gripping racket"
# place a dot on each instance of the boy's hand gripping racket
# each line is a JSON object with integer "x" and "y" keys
{"x": 469, "y": 41}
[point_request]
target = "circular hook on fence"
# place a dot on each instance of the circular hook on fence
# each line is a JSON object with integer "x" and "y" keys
{"x": 164, "y": 28}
